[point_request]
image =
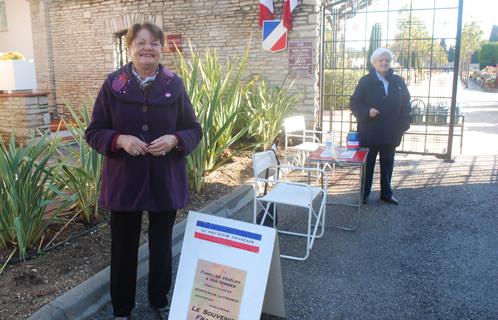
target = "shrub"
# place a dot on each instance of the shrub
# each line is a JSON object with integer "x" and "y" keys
{"x": 11, "y": 55}
{"x": 82, "y": 175}
{"x": 27, "y": 189}
{"x": 266, "y": 108}
{"x": 216, "y": 92}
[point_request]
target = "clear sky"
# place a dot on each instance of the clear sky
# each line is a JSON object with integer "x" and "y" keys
{"x": 483, "y": 11}
{"x": 442, "y": 22}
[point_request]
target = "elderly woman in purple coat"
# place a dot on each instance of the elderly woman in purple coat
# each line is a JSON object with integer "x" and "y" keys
{"x": 144, "y": 124}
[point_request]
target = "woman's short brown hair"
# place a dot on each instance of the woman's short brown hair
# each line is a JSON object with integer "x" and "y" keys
{"x": 152, "y": 28}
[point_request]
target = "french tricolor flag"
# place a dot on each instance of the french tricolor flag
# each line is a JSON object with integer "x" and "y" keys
{"x": 227, "y": 236}
{"x": 265, "y": 11}
{"x": 289, "y": 6}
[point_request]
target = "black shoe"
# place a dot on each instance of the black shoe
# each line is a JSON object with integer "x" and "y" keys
{"x": 161, "y": 313}
{"x": 364, "y": 201}
{"x": 391, "y": 200}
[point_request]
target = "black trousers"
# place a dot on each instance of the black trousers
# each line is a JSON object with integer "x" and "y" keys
{"x": 125, "y": 235}
{"x": 386, "y": 154}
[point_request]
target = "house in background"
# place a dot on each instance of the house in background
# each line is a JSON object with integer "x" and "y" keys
{"x": 22, "y": 111}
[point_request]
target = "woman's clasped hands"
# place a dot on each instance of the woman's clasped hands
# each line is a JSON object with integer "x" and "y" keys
{"x": 135, "y": 147}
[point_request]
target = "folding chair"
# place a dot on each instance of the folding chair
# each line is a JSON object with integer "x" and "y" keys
{"x": 281, "y": 191}
{"x": 295, "y": 127}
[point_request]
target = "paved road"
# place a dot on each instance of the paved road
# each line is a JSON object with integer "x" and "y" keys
{"x": 481, "y": 120}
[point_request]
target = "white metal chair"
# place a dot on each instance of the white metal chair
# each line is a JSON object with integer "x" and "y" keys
{"x": 281, "y": 191}
{"x": 295, "y": 127}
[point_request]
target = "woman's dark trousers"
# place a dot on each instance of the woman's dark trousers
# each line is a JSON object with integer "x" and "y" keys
{"x": 125, "y": 235}
{"x": 386, "y": 153}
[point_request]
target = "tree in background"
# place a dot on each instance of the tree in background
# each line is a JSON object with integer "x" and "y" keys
{"x": 443, "y": 44}
{"x": 451, "y": 54}
{"x": 494, "y": 34}
{"x": 415, "y": 49}
{"x": 375, "y": 41}
{"x": 471, "y": 41}
{"x": 411, "y": 44}
{"x": 488, "y": 55}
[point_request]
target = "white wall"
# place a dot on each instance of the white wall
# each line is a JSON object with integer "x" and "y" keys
{"x": 18, "y": 36}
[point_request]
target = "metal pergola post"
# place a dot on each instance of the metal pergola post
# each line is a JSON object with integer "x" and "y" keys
{"x": 455, "y": 83}
{"x": 322, "y": 69}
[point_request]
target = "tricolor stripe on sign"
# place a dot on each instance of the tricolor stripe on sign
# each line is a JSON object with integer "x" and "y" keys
{"x": 228, "y": 236}
{"x": 274, "y": 35}
{"x": 265, "y": 11}
{"x": 289, "y": 6}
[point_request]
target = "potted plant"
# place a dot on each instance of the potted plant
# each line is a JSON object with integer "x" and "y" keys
{"x": 17, "y": 72}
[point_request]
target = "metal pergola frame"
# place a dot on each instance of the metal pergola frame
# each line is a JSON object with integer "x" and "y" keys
{"x": 347, "y": 9}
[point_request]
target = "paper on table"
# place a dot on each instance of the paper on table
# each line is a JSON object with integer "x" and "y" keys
{"x": 347, "y": 154}
{"x": 326, "y": 154}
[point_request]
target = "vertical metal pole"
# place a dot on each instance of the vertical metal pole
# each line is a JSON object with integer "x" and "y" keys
{"x": 322, "y": 64}
{"x": 455, "y": 82}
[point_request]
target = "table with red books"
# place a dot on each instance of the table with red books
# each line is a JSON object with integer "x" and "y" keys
{"x": 344, "y": 158}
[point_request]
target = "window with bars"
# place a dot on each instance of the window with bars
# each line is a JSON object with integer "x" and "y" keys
{"x": 3, "y": 16}
{"x": 120, "y": 50}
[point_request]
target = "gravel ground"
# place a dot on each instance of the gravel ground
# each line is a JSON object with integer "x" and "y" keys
{"x": 432, "y": 257}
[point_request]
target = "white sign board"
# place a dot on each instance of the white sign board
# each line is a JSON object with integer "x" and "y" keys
{"x": 228, "y": 270}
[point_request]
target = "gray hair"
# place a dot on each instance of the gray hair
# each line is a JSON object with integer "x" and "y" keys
{"x": 381, "y": 52}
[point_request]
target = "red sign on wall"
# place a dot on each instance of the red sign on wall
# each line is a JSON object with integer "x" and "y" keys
{"x": 174, "y": 42}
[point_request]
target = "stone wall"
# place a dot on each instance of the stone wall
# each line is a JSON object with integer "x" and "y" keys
{"x": 24, "y": 114}
{"x": 82, "y": 32}
{"x": 42, "y": 48}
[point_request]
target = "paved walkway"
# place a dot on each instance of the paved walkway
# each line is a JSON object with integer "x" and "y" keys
{"x": 432, "y": 257}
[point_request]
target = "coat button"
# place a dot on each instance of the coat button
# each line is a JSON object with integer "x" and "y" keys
{"x": 145, "y": 127}
{"x": 144, "y": 108}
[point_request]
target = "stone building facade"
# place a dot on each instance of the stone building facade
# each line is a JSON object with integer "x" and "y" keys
{"x": 75, "y": 41}
{"x": 24, "y": 114}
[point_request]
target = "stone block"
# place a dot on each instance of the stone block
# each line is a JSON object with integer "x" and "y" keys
{"x": 28, "y": 101}
{"x": 43, "y": 100}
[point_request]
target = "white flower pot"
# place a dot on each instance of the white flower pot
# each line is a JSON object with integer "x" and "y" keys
{"x": 17, "y": 75}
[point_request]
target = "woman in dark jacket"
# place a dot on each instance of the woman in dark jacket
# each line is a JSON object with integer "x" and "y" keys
{"x": 144, "y": 124}
{"x": 381, "y": 105}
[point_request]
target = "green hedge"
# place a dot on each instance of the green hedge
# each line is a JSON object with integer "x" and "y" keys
{"x": 488, "y": 55}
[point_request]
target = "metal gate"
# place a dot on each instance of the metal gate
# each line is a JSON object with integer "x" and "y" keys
{"x": 424, "y": 36}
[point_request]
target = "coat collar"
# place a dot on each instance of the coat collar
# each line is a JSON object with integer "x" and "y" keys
{"x": 373, "y": 75}
{"x": 126, "y": 86}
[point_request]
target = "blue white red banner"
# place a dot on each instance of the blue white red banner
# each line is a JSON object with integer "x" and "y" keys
{"x": 274, "y": 35}
{"x": 228, "y": 236}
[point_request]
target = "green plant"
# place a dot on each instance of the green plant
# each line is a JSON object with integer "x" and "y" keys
{"x": 216, "y": 92}
{"x": 488, "y": 55}
{"x": 375, "y": 41}
{"x": 11, "y": 55}
{"x": 82, "y": 175}
{"x": 266, "y": 108}
{"x": 339, "y": 85}
{"x": 27, "y": 189}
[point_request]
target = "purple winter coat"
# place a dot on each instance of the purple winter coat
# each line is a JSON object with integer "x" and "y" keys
{"x": 134, "y": 183}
